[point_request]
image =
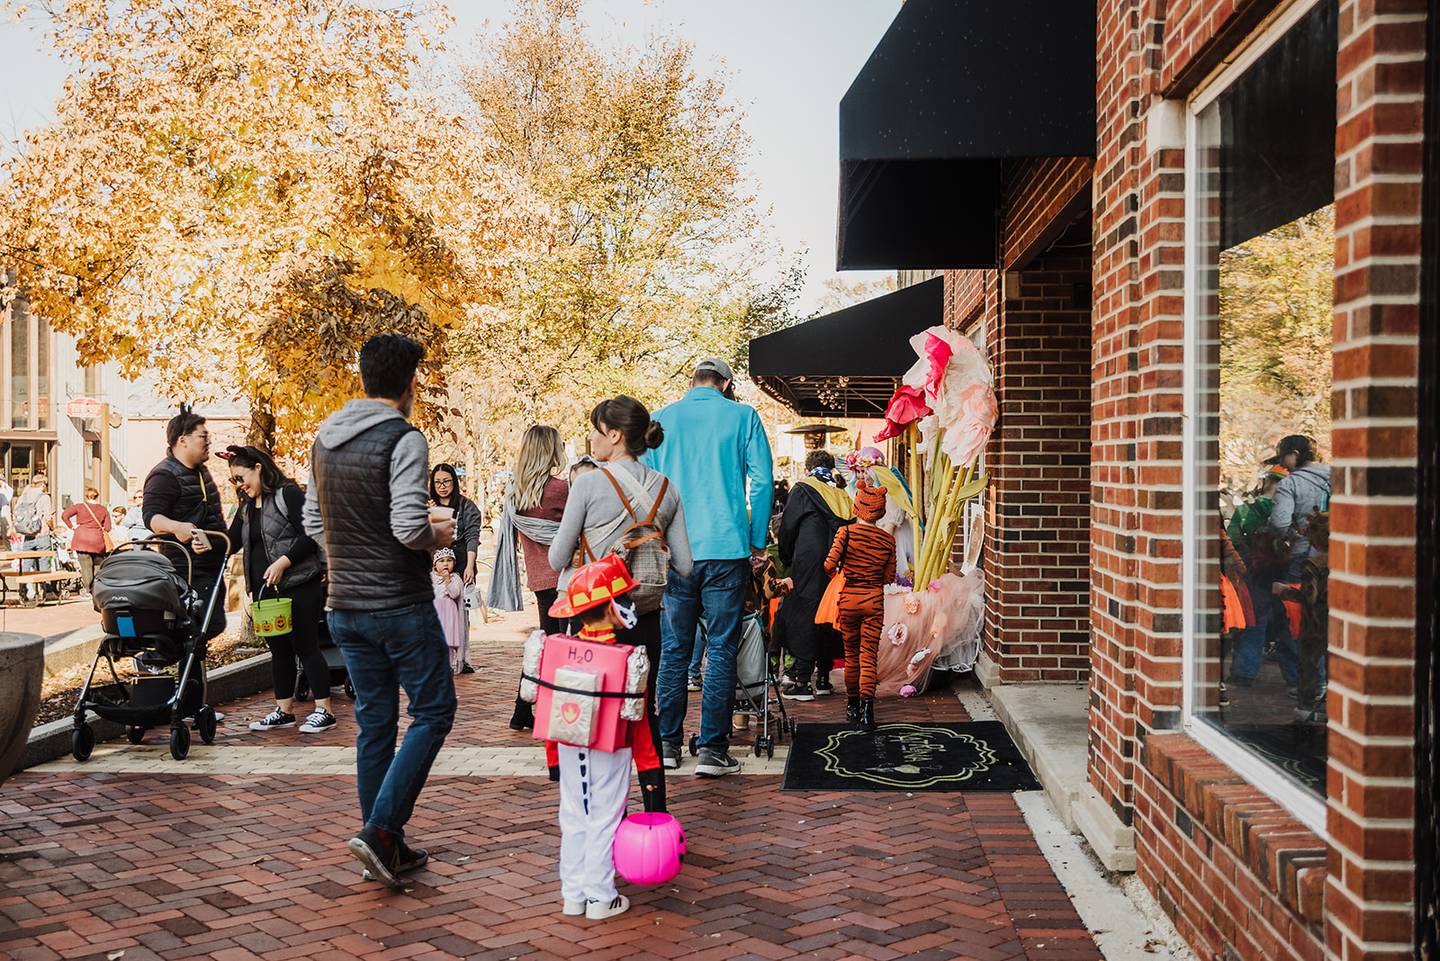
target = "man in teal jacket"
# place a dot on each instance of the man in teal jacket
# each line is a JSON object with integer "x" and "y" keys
{"x": 717, "y": 455}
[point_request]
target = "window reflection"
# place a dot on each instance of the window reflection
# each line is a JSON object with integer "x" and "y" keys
{"x": 1263, "y": 261}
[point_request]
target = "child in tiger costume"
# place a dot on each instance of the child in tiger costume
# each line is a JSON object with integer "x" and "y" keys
{"x": 865, "y": 554}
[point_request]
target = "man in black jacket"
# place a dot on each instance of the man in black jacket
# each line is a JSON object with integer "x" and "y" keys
{"x": 368, "y": 504}
{"x": 182, "y": 502}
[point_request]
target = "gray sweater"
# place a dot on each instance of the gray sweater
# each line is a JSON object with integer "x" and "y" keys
{"x": 595, "y": 509}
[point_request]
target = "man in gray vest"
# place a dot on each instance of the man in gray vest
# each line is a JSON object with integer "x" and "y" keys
{"x": 368, "y": 504}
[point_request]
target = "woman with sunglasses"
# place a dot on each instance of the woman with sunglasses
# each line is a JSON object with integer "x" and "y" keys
{"x": 281, "y": 560}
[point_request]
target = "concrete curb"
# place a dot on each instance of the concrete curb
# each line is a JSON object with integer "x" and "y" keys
{"x": 228, "y": 683}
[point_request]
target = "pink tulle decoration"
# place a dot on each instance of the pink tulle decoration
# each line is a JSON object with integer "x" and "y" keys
{"x": 908, "y": 690}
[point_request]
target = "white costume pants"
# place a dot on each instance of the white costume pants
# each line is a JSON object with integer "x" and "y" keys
{"x": 594, "y": 786}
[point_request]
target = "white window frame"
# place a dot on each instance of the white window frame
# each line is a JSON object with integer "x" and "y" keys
{"x": 1308, "y": 808}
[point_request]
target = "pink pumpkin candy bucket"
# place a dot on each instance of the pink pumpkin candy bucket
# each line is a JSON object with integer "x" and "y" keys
{"x": 649, "y": 848}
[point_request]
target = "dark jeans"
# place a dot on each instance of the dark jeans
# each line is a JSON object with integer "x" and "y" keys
{"x": 403, "y": 647}
{"x": 307, "y": 602}
{"x": 716, "y": 591}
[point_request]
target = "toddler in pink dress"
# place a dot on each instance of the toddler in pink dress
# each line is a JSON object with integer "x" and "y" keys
{"x": 450, "y": 606}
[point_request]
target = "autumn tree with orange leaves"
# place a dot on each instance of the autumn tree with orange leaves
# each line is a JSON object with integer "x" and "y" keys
{"x": 239, "y": 192}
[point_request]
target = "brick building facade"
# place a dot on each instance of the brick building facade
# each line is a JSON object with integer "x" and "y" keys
{"x": 1108, "y": 391}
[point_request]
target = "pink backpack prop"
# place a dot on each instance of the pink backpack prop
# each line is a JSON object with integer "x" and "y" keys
{"x": 649, "y": 848}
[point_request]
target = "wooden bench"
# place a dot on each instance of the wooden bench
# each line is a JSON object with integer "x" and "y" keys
{"x": 20, "y": 579}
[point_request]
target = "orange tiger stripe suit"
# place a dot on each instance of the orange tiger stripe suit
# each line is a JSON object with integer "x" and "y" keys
{"x": 866, "y": 554}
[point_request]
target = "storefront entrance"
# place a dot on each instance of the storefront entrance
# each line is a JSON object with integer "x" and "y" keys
{"x": 22, "y": 459}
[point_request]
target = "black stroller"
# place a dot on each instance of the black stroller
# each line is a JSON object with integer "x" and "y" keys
{"x": 150, "y": 613}
{"x": 304, "y": 690}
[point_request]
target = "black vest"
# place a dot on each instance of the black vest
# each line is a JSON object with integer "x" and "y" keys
{"x": 279, "y": 537}
{"x": 198, "y": 504}
{"x": 370, "y": 570}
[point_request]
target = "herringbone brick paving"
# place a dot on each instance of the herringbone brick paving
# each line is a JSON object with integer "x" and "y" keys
{"x": 234, "y": 867}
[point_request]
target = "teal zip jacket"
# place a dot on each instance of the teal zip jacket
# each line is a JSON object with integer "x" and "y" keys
{"x": 714, "y": 448}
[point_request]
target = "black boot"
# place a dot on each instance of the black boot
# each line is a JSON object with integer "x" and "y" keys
{"x": 852, "y": 710}
{"x": 524, "y": 716}
{"x": 867, "y": 714}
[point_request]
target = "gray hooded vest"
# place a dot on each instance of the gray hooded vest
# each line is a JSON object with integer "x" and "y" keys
{"x": 370, "y": 570}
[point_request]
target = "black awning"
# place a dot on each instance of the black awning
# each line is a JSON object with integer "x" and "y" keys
{"x": 847, "y": 364}
{"x": 953, "y": 90}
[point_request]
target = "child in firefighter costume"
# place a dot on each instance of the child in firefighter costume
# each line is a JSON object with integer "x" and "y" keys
{"x": 865, "y": 555}
{"x": 594, "y": 776}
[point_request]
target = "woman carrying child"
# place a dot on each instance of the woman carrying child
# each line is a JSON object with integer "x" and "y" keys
{"x": 865, "y": 554}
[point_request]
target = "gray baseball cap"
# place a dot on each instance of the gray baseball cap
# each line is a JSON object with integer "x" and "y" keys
{"x": 716, "y": 365}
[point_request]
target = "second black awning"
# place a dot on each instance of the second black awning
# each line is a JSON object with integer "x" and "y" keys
{"x": 847, "y": 364}
{"x": 955, "y": 89}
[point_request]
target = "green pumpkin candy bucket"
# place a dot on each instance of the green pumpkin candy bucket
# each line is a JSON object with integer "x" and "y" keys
{"x": 271, "y": 616}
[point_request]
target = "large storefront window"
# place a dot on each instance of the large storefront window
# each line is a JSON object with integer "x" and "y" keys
{"x": 1261, "y": 249}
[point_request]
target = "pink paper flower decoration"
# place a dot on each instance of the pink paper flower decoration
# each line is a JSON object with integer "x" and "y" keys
{"x": 908, "y": 690}
{"x": 906, "y": 406}
{"x": 939, "y": 353}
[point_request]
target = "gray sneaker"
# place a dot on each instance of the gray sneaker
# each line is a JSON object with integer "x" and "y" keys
{"x": 669, "y": 755}
{"x": 712, "y": 763}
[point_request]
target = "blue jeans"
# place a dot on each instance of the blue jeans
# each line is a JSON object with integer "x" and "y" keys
{"x": 1270, "y": 618}
{"x": 403, "y": 647}
{"x": 716, "y": 591}
{"x": 36, "y": 542}
{"x": 698, "y": 658}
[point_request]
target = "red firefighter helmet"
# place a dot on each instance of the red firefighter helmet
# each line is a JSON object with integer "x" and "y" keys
{"x": 598, "y": 582}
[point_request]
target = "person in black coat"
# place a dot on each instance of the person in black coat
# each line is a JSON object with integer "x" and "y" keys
{"x": 816, "y": 508}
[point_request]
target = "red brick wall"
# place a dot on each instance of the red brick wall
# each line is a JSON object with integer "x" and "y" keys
{"x": 1037, "y": 512}
{"x": 965, "y": 296}
{"x": 1043, "y": 196}
{"x": 1373, "y": 523}
{"x": 1135, "y": 428}
{"x": 1148, "y": 47}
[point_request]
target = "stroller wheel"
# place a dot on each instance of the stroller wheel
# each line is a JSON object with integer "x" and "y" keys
{"x": 205, "y": 724}
{"x": 302, "y": 691}
{"x": 694, "y": 744}
{"x": 180, "y": 741}
{"x": 349, "y": 689}
{"x": 763, "y": 745}
{"x": 789, "y": 726}
{"x": 134, "y": 734}
{"x": 82, "y": 742}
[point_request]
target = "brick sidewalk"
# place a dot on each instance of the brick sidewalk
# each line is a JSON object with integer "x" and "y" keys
{"x": 246, "y": 864}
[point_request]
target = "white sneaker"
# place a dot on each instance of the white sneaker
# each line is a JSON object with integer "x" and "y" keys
{"x": 319, "y": 720}
{"x": 596, "y": 911}
{"x": 574, "y": 909}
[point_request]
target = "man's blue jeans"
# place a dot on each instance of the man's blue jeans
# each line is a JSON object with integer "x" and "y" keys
{"x": 716, "y": 591}
{"x": 697, "y": 658}
{"x": 403, "y": 647}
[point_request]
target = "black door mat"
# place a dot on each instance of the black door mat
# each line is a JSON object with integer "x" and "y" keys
{"x": 971, "y": 756}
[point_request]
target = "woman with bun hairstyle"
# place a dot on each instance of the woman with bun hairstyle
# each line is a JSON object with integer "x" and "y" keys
{"x": 281, "y": 560}
{"x": 622, "y": 431}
